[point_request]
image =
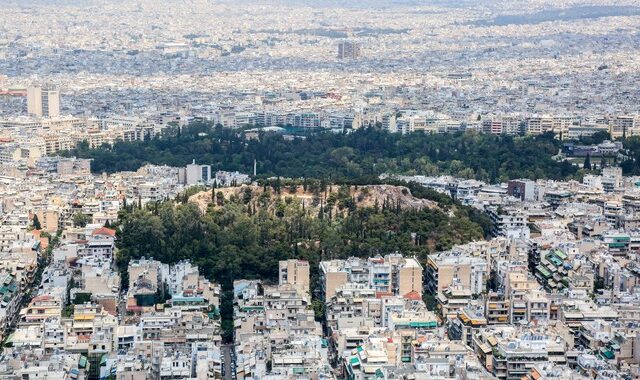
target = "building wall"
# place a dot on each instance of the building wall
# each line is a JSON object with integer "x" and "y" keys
{"x": 410, "y": 280}
{"x": 334, "y": 280}
{"x": 50, "y": 103}
{"x": 43, "y": 103}
{"x": 447, "y": 273}
{"x": 197, "y": 173}
{"x": 48, "y": 220}
{"x": 297, "y": 274}
{"x": 34, "y": 101}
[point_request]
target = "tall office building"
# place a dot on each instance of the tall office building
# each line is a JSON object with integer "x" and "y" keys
{"x": 348, "y": 49}
{"x": 43, "y": 102}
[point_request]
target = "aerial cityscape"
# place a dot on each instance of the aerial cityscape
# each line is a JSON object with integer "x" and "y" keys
{"x": 326, "y": 189}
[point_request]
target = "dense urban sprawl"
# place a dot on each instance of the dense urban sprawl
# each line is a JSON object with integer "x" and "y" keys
{"x": 324, "y": 189}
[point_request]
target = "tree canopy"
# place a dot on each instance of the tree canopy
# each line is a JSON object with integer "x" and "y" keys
{"x": 80, "y": 219}
{"x": 245, "y": 236}
{"x": 363, "y": 153}
{"x": 36, "y": 223}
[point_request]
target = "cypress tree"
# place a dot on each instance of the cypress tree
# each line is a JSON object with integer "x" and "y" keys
{"x": 36, "y": 223}
{"x": 587, "y": 162}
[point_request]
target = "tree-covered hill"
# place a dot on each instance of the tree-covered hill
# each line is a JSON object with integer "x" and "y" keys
{"x": 244, "y": 233}
{"x": 260, "y": 226}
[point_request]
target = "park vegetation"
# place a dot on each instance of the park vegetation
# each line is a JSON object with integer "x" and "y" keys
{"x": 309, "y": 200}
{"x": 244, "y": 234}
{"x": 360, "y": 155}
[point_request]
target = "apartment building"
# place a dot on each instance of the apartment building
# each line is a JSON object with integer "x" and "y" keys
{"x": 391, "y": 274}
{"x": 349, "y": 50}
{"x": 451, "y": 269}
{"x": 294, "y": 272}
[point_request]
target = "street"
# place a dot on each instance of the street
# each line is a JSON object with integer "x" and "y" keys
{"x": 228, "y": 362}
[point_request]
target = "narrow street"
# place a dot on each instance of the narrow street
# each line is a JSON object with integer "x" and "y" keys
{"x": 26, "y": 297}
{"x": 228, "y": 362}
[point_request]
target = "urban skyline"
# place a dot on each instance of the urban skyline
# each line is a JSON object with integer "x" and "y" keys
{"x": 327, "y": 189}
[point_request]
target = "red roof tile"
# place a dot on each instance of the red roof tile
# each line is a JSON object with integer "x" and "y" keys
{"x": 104, "y": 231}
{"x": 413, "y": 295}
